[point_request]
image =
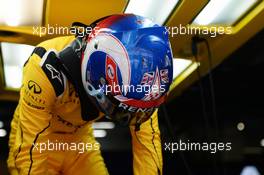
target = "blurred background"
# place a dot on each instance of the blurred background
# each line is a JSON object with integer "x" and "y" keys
{"x": 217, "y": 92}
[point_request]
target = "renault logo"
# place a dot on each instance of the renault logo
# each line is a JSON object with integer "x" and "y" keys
{"x": 33, "y": 86}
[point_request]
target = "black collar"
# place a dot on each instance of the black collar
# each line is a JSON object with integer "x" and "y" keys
{"x": 70, "y": 63}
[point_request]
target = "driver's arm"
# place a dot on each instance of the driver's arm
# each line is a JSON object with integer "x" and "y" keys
{"x": 146, "y": 145}
{"x": 33, "y": 121}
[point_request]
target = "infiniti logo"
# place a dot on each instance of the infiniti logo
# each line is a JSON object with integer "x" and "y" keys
{"x": 33, "y": 86}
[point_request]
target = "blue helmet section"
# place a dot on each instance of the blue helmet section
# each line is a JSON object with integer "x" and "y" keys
{"x": 129, "y": 52}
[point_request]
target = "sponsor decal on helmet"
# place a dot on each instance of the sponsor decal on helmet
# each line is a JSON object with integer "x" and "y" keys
{"x": 135, "y": 109}
{"x": 111, "y": 74}
{"x": 155, "y": 91}
{"x": 164, "y": 76}
{"x": 148, "y": 78}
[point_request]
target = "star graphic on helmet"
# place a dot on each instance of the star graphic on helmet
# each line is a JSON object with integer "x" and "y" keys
{"x": 54, "y": 73}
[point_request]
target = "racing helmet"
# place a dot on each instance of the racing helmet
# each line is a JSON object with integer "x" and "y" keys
{"x": 126, "y": 66}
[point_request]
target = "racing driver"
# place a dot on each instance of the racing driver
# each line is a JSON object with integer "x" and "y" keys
{"x": 121, "y": 70}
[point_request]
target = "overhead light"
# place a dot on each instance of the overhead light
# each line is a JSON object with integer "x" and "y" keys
{"x": 13, "y": 81}
{"x": 103, "y": 125}
{"x": 179, "y": 65}
{"x": 3, "y": 133}
{"x": 250, "y": 170}
{"x": 240, "y": 126}
{"x": 262, "y": 142}
{"x": 14, "y": 57}
{"x": 1, "y": 124}
{"x": 182, "y": 68}
{"x": 157, "y": 10}
{"x": 225, "y": 12}
{"x": 99, "y": 133}
{"x": 21, "y": 12}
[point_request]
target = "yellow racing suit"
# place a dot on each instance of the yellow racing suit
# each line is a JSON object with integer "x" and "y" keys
{"x": 47, "y": 130}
